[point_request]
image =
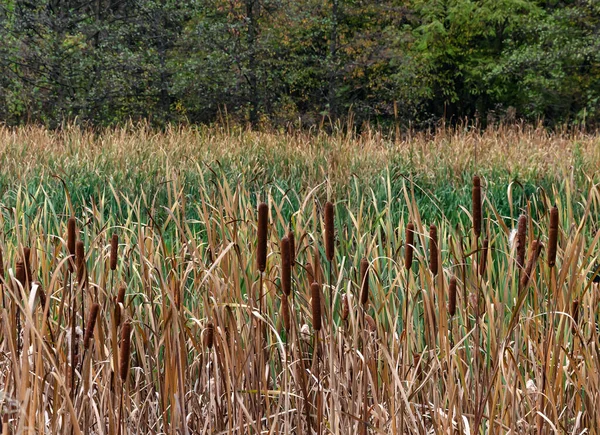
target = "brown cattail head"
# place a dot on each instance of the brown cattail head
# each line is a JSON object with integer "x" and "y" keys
{"x": 345, "y": 307}
{"x": 452, "y": 297}
{"x": 553, "y": 236}
{"x": 80, "y": 260}
{"x": 285, "y": 312}
{"x": 119, "y": 301}
{"x": 42, "y": 296}
{"x": 315, "y": 293}
{"x": 536, "y": 248}
{"x": 27, "y": 261}
{"x": 290, "y": 236}
{"x": 370, "y": 324}
{"x": 364, "y": 281}
{"x": 433, "y": 249}
{"x": 521, "y": 240}
{"x": 1, "y": 265}
{"x": 209, "y": 335}
{"x": 91, "y": 323}
{"x": 484, "y": 255}
{"x": 329, "y": 231}
{"x": 114, "y": 250}
{"x": 476, "y": 205}
{"x": 261, "y": 247}
{"x": 286, "y": 267}
{"x": 20, "y": 273}
{"x": 410, "y": 243}
{"x": 71, "y": 239}
{"x": 575, "y": 315}
{"x": 124, "y": 350}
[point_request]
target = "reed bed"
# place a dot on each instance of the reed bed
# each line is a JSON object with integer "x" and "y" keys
{"x": 247, "y": 313}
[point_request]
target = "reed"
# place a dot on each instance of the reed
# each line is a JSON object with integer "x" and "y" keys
{"x": 364, "y": 281}
{"x": 521, "y": 240}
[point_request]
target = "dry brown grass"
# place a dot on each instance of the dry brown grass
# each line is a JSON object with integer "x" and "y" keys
{"x": 194, "y": 332}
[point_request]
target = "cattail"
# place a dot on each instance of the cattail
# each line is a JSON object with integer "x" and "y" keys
{"x": 410, "y": 241}
{"x": 114, "y": 250}
{"x": 484, "y": 255}
{"x": 536, "y": 248}
{"x": 285, "y": 312}
{"x": 1, "y": 265}
{"x": 71, "y": 239}
{"x": 364, "y": 281}
{"x": 261, "y": 248}
{"x": 329, "y": 231}
{"x": 80, "y": 260}
{"x": 452, "y": 297}
{"x": 315, "y": 291}
{"x": 120, "y": 301}
{"x": 553, "y": 236}
{"x": 345, "y": 307}
{"x": 575, "y": 315}
{"x": 370, "y": 323}
{"x": 292, "y": 239}
{"x": 476, "y": 205}
{"x": 433, "y": 250}
{"x": 124, "y": 350}
{"x": 286, "y": 267}
{"x": 209, "y": 335}
{"x": 521, "y": 240}
{"x": 91, "y": 323}
{"x": 27, "y": 261}
{"x": 20, "y": 273}
{"x": 42, "y": 296}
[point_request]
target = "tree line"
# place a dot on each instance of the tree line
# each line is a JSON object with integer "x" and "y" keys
{"x": 284, "y": 62}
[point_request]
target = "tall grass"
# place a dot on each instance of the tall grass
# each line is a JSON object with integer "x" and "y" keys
{"x": 190, "y": 329}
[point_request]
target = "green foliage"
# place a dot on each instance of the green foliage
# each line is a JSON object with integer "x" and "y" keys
{"x": 270, "y": 61}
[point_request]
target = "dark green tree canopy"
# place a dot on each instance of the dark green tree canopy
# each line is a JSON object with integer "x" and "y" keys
{"x": 277, "y": 62}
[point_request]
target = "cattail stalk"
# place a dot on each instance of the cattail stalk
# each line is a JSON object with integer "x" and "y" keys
{"x": 575, "y": 315}
{"x": 292, "y": 239}
{"x": 433, "y": 250}
{"x": 521, "y": 240}
{"x": 364, "y": 281}
{"x": 120, "y": 301}
{"x": 484, "y": 255}
{"x": 476, "y": 206}
{"x": 285, "y": 313}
